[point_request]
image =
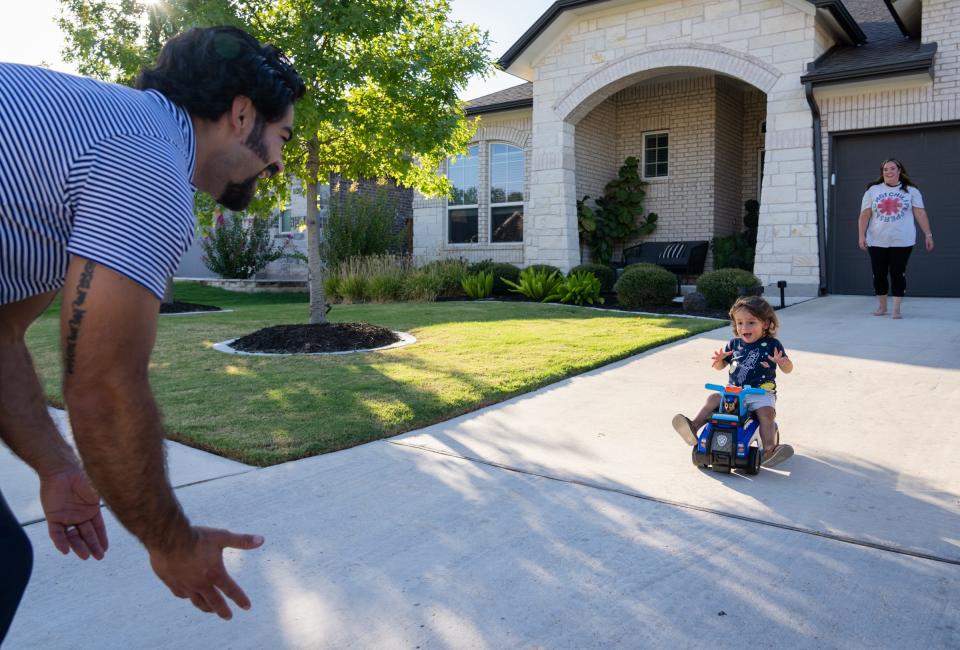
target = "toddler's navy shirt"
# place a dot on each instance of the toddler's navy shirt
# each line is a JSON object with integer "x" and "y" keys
{"x": 749, "y": 365}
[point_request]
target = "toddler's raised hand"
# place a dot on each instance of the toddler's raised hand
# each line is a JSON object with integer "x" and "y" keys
{"x": 720, "y": 358}
{"x": 777, "y": 357}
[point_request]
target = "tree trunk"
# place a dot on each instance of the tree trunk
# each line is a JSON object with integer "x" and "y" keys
{"x": 315, "y": 277}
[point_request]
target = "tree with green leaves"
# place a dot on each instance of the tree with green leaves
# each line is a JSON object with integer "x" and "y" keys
{"x": 382, "y": 79}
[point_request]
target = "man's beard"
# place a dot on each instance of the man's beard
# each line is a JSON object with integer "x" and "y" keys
{"x": 237, "y": 196}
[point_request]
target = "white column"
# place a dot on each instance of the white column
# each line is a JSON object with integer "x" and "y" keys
{"x": 550, "y": 228}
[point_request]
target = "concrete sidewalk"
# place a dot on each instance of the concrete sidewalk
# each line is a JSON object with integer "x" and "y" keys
{"x": 187, "y": 466}
{"x": 572, "y": 518}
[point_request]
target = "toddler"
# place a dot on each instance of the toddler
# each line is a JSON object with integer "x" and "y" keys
{"x": 753, "y": 356}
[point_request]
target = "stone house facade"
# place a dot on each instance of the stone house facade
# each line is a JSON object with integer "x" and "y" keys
{"x": 793, "y": 103}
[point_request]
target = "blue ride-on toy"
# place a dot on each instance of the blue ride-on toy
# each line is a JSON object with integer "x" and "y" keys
{"x": 731, "y": 438}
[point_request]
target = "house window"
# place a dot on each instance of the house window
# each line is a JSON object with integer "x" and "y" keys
{"x": 290, "y": 223}
{"x": 506, "y": 193}
{"x": 655, "y": 149}
{"x": 462, "y": 205}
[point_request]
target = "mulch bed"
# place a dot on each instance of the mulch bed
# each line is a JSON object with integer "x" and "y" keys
{"x": 184, "y": 307}
{"x": 322, "y": 337}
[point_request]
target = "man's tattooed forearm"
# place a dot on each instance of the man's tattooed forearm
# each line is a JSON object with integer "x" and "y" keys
{"x": 76, "y": 317}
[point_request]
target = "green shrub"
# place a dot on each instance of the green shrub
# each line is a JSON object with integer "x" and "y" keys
{"x": 502, "y": 271}
{"x": 420, "y": 286}
{"x": 545, "y": 267}
{"x": 644, "y": 285}
{"x": 604, "y": 273}
{"x": 331, "y": 287}
{"x": 478, "y": 286}
{"x": 481, "y": 267}
{"x": 578, "y": 288}
{"x": 353, "y": 288}
{"x": 373, "y": 277}
{"x": 446, "y": 275}
{"x": 733, "y": 252}
{"x": 721, "y": 287}
{"x": 641, "y": 265}
{"x": 537, "y": 283}
{"x": 386, "y": 287}
{"x": 737, "y": 251}
{"x": 617, "y": 216}
{"x": 359, "y": 225}
{"x": 235, "y": 251}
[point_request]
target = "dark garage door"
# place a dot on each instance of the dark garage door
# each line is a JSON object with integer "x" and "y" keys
{"x": 932, "y": 157}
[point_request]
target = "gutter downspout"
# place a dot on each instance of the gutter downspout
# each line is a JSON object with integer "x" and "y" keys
{"x": 818, "y": 185}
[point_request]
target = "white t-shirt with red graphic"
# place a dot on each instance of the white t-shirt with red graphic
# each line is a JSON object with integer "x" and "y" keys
{"x": 892, "y": 221}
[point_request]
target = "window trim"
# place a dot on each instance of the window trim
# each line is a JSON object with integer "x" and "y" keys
{"x": 508, "y": 204}
{"x": 643, "y": 156}
{"x": 462, "y": 206}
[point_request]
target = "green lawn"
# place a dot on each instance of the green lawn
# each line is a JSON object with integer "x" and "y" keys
{"x": 267, "y": 410}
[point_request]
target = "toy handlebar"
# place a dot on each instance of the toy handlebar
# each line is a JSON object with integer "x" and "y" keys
{"x": 747, "y": 390}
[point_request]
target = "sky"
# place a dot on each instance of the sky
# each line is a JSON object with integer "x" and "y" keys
{"x": 29, "y": 35}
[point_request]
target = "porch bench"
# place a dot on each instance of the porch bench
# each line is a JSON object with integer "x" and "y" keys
{"x": 678, "y": 257}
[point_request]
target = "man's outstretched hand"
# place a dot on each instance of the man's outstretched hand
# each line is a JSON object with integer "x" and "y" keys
{"x": 196, "y": 570}
{"x": 72, "y": 508}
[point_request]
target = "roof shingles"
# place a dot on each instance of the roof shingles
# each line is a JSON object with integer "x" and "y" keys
{"x": 886, "y": 51}
{"x": 513, "y": 97}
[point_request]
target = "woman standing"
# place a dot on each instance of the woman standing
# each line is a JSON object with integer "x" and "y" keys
{"x": 890, "y": 205}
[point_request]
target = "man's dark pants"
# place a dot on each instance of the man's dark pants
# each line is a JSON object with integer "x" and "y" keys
{"x": 16, "y": 562}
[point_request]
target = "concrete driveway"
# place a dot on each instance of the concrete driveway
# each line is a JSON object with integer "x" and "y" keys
{"x": 572, "y": 518}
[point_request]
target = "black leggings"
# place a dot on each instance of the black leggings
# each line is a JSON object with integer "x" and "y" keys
{"x": 892, "y": 261}
{"x": 16, "y": 562}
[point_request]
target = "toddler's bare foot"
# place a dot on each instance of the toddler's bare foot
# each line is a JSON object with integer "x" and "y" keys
{"x": 897, "y": 315}
{"x": 879, "y": 311}
{"x": 777, "y": 455}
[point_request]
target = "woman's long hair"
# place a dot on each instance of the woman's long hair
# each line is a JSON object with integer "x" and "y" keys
{"x": 905, "y": 180}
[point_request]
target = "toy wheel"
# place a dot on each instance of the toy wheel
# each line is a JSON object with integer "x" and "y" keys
{"x": 693, "y": 457}
{"x": 753, "y": 461}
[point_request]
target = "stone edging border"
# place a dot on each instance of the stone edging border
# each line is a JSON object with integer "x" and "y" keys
{"x": 405, "y": 340}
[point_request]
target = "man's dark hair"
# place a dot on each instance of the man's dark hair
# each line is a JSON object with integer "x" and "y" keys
{"x": 203, "y": 69}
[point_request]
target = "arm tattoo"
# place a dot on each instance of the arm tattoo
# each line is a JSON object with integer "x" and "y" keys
{"x": 70, "y": 355}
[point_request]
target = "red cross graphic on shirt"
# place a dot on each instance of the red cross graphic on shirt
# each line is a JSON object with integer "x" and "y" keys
{"x": 890, "y": 205}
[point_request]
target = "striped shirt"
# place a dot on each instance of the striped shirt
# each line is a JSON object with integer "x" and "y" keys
{"x": 91, "y": 169}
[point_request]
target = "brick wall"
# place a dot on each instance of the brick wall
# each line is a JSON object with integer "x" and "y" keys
{"x": 729, "y": 132}
{"x": 597, "y": 154}
{"x": 686, "y": 109}
{"x": 754, "y": 114}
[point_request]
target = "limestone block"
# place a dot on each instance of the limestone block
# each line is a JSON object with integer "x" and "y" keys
{"x": 772, "y": 195}
{"x": 794, "y": 245}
